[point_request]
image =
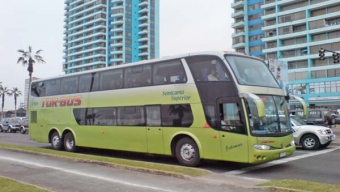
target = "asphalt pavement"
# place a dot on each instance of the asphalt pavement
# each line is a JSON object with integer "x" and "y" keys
{"x": 336, "y": 131}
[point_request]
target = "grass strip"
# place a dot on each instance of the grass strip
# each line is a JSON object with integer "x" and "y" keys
{"x": 10, "y": 185}
{"x": 156, "y": 168}
{"x": 302, "y": 185}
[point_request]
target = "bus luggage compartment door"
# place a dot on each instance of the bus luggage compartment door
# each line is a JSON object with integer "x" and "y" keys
{"x": 154, "y": 130}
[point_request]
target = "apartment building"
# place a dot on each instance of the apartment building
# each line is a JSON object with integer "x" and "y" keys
{"x": 103, "y": 33}
{"x": 248, "y": 33}
{"x": 294, "y": 32}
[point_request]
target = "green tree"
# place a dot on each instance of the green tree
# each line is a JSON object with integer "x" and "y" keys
{"x": 16, "y": 93}
{"x": 3, "y": 92}
{"x": 29, "y": 58}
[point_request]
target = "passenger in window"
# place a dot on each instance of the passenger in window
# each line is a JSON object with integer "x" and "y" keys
{"x": 118, "y": 84}
{"x": 134, "y": 83}
{"x": 213, "y": 75}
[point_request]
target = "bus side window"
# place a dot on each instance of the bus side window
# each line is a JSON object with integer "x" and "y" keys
{"x": 207, "y": 68}
{"x": 169, "y": 72}
{"x": 88, "y": 82}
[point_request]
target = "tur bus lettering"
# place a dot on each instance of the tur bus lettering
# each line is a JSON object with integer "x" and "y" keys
{"x": 62, "y": 102}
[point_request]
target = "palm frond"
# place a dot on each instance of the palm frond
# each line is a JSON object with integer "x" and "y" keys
{"x": 38, "y": 52}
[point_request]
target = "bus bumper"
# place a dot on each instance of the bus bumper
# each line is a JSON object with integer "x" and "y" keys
{"x": 261, "y": 156}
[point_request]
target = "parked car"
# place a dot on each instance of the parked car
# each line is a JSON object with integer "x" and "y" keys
{"x": 24, "y": 126}
{"x": 337, "y": 118}
{"x": 324, "y": 117}
{"x": 11, "y": 124}
{"x": 1, "y": 126}
{"x": 311, "y": 136}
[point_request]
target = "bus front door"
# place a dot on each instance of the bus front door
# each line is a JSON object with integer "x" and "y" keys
{"x": 154, "y": 130}
{"x": 233, "y": 131}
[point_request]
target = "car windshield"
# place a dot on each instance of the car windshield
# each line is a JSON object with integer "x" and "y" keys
{"x": 275, "y": 122}
{"x": 297, "y": 121}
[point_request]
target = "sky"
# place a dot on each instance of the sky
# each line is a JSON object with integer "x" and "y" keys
{"x": 185, "y": 26}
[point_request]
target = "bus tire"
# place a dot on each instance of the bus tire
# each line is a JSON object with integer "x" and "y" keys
{"x": 56, "y": 141}
{"x": 69, "y": 142}
{"x": 187, "y": 152}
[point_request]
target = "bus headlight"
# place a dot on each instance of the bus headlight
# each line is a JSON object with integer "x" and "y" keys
{"x": 262, "y": 147}
{"x": 292, "y": 143}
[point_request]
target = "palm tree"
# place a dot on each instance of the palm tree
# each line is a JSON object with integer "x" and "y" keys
{"x": 16, "y": 93}
{"x": 29, "y": 58}
{"x": 3, "y": 92}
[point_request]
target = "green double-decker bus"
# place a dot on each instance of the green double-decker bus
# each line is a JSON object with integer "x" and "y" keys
{"x": 209, "y": 105}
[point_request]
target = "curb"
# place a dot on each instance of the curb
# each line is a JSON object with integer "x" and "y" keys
{"x": 281, "y": 189}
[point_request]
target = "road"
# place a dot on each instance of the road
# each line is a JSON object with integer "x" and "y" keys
{"x": 58, "y": 175}
{"x": 319, "y": 165}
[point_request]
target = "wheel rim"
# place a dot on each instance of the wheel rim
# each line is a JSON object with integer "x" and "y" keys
{"x": 69, "y": 143}
{"x": 309, "y": 142}
{"x": 55, "y": 141}
{"x": 187, "y": 152}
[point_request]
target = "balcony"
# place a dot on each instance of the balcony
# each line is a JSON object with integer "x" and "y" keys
{"x": 142, "y": 18}
{"x": 268, "y": 4}
{"x": 145, "y": 53}
{"x": 117, "y": 59}
{"x": 143, "y": 24}
{"x": 142, "y": 32}
{"x": 238, "y": 34}
{"x": 143, "y": 46}
{"x": 237, "y": 4}
{"x": 143, "y": 39}
{"x": 144, "y": 3}
{"x": 237, "y": 14}
{"x": 143, "y": 10}
{"x": 238, "y": 24}
{"x": 239, "y": 45}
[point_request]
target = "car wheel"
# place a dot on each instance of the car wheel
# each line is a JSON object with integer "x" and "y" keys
{"x": 69, "y": 142}
{"x": 331, "y": 121}
{"x": 310, "y": 142}
{"x": 1, "y": 129}
{"x": 325, "y": 145}
{"x": 187, "y": 152}
{"x": 56, "y": 141}
{"x": 22, "y": 130}
{"x": 10, "y": 130}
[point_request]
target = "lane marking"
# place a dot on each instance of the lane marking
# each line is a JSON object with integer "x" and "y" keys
{"x": 9, "y": 159}
{"x": 279, "y": 161}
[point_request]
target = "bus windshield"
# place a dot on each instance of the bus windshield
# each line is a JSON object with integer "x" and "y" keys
{"x": 249, "y": 71}
{"x": 276, "y": 122}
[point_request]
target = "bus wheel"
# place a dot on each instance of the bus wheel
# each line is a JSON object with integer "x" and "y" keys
{"x": 69, "y": 143}
{"x": 187, "y": 152}
{"x": 56, "y": 141}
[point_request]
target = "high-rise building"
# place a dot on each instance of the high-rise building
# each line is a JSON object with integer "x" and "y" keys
{"x": 102, "y": 33}
{"x": 248, "y": 27}
{"x": 294, "y": 32}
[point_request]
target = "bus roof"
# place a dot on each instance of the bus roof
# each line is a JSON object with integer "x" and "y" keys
{"x": 164, "y": 58}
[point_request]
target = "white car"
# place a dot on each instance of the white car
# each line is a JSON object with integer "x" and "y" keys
{"x": 311, "y": 136}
